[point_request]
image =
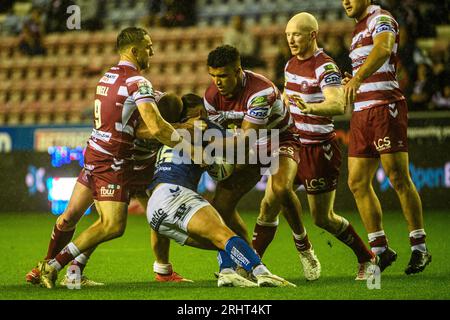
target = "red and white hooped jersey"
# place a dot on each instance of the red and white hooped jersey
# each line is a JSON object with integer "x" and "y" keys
{"x": 259, "y": 101}
{"x": 116, "y": 116}
{"x": 381, "y": 88}
{"x": 307, "y": 78}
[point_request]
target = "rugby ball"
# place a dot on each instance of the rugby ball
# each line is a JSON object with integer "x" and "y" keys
{"x": 220, "y": 169}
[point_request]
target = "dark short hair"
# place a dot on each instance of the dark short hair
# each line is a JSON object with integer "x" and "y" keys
{"x": 223, "y": 56}
{"x": 170, "y": 107}
{"x": 130, "y": 36}
{"x": 190, "y": 100}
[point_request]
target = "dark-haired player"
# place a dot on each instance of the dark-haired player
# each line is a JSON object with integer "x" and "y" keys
{"x": 252, "y": 102}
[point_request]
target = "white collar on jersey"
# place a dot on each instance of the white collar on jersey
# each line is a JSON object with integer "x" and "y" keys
{"x": 372, "y": 8}
{"x": 127, "y": 63}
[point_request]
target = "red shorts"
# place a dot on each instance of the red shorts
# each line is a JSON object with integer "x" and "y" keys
{"x": 379, "y": 130}
{"x": 108, "y": 178}
{"x": 143, "y": 171}
{"x": 288, "y": 146}
{"x": 319, "y": 166}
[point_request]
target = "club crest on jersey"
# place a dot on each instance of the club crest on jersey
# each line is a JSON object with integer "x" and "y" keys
{"x": 259, "y": 102}
{"x": 330, "y": 68}
{"x": 144, "y": 88}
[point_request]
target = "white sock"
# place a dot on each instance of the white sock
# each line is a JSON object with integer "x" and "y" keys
{"x": 372, "y": 237}
{"x": 260, "y": 269}
{"x": 162, "y": 268}
{"x": 267, "y": 224}
{"x": 74, "y": 251}
{"x": 82, "y": 258}
{"x": 299, "y": 236}
{"x": 419, "y": 233}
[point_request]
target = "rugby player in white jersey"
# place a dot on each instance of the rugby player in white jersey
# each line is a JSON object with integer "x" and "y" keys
{"x": 314, "y": 93}
{"x": 178, "y": 212}
{"x": 378, "y": 131}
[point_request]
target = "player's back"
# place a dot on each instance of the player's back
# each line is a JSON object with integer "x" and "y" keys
{"x": 115, "y": 110}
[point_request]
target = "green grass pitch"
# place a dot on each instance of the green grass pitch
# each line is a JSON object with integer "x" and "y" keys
{"x": 125, "y": 264}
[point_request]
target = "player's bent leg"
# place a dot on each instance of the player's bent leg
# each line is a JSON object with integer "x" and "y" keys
{"x": 267, "y": 221}
{"x": 80, "y": 200}
{"x": 111, "y": 225}
{"x": 361, "y": 173}
{"x": 206, "y": 223}
{"x": 230, "y": 191}
{"x": 321, "y": 206}
{"x": 396, "y": 167}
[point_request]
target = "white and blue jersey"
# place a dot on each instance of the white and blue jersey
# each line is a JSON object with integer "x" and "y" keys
{"x": 175, "y": 168}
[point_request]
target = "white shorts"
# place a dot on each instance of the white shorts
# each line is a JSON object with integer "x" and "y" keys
{"x": 170, "y": 208}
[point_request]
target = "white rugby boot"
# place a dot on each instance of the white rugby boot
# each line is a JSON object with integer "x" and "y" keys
{"x": 229, "y": 278}
{"x": 311, "y": 264}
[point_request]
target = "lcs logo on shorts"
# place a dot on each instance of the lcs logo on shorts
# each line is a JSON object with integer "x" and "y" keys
{"x": 286, "y": 150}
{"x": 315, "y": 184}
{"x": 382, "y": 144}
{"x": 109, "y": 190}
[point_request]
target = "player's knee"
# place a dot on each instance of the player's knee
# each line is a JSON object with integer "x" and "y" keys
{"x": 320, "y": 220}
{"x": 400, "y": 181}
{"x": 357, "y": 185}
{"x": 113, "y": 229}
{"x": 281, "y": 190}
{"x": 66, "y": 222}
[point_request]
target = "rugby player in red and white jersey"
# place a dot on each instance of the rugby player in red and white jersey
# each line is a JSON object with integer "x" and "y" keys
{"x": 378, "y": 130}
{"x": 122, "y": 96}
{"x": 314, "y": 93}
{"x": 252, "y": 102}
{"x": 170, "y": 107}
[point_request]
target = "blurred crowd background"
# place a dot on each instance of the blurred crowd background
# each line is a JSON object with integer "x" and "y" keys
{"x": 48, "y": 68}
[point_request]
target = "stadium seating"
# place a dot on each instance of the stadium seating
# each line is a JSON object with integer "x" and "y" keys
{"x": 58, "y": 87}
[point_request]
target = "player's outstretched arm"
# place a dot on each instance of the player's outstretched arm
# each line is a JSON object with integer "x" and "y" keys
{"x": 158, "y": 128}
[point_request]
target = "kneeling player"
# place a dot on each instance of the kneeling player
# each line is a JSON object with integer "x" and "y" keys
{"x": 176, "y": 211}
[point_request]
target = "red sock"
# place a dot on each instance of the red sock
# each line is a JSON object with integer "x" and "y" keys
{"x": 351, "y": 239}
{"x": 303, "y": 243}
{"x": 58, "y": 241}
{"x": 262, "y": 237}
{"x": 65, "y": 256}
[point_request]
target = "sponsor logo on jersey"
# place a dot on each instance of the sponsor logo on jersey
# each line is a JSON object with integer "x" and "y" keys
{"x": 101, "y": 135}
{"x": 259, "y": 112}
{"x": 383, "y": 27}
{"x": 109, "y": 78}
{"x": 157, "y": 218}
{"x": 382, "y": 144}
{"x": 333, "y": 78}
{"x": 182, "y": 211}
